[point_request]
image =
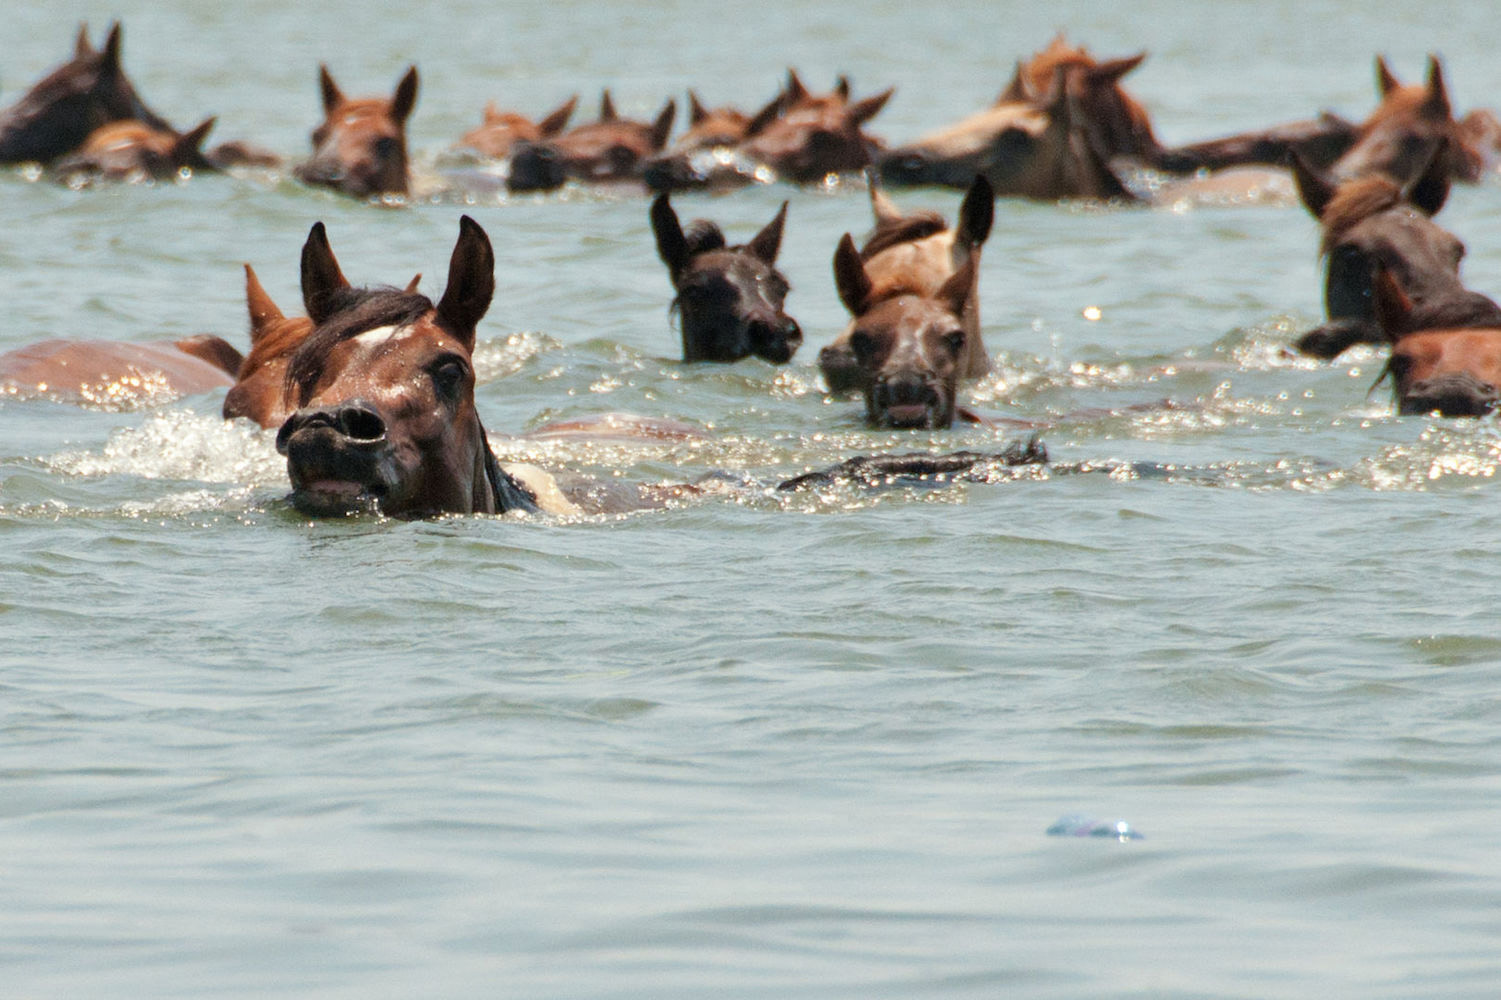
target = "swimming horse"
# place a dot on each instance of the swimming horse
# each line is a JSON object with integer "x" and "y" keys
{"x": 60, "y": 111}
{"x": 730, "y": 300}
{"x": 1374, "y": 222}
{"x": 360, "y": 148}
{"x": 1445, "y": 356}
{"x": 375, "y": 390}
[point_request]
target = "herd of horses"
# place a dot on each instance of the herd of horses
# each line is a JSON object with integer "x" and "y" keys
{"x": 371, "y": 391}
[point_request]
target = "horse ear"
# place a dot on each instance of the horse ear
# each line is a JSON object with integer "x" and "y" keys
{"x": 411, "y": 288}
{"x": 321, "y": 276}
{"x": 850, "y": 276}
{"x": 557, "y": 120}
{"x": 863, "y": 111}
{"x": 263, "y": 311}
{"x": 1386, "y": 80}
{"x": 1112, "y": 70}
{"x": 187, "y": 144}
{"x": 1016, "y": 91}
{"x": 796, "y": 92}
{"x": 471, "y": 282}
{"x": 661, "y": 129}
{"x": 768, "y": 242}
{"x": 82, "y": 48}
{"x": 696, "y": 110}
{"x": 110, "y": 55}
{"x": 881, "y": 206}
{"x": 332, "y": 95}
{"x": 1436, "y": 104}
{"x": 842, "y": 87}
{"x": 405, "y": 98}
{"x": 956, "y": 291}
{"x": 671, "y": 245}
{"x": 607, "y": 111}
{"x": 1393, "y": 306}
{"x": 765, "y": 116}
{"x": 977, "y": 212}
{"x": 1315, "y": 190}
{"x": 1430, "y": 189}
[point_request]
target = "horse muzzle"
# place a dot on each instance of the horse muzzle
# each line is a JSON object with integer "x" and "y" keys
{"x": 1453, "y": 394}
{"x": 339, "y": 459}
{"x": 776, "y": 340}
{"x": 909, "y": 400}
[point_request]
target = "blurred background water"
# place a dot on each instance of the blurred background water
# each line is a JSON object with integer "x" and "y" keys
{"x": 754, "y": 746}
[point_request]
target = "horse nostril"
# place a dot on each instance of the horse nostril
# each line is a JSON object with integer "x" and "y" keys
{"x": 361, "y": 423}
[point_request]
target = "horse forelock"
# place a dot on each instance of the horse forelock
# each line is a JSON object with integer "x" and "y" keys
{"x": 701, "y": 236}
{"x": 908, "y": 229}
{"x": 352, "y": 311}
{"x": 1355, "y": 202}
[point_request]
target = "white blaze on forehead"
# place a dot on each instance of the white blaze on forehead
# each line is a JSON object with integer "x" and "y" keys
{"x": 380, "y": 335}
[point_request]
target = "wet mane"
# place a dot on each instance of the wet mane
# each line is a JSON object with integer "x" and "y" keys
{"x": 1355, "y": 202}
{"x": 908, "y": 229}
{"x": 351, "y": 312}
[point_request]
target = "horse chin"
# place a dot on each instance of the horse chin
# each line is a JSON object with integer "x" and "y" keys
{"x": 336, "y": 498}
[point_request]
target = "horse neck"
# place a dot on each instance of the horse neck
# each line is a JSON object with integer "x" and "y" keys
{"x": 495, "y": 492}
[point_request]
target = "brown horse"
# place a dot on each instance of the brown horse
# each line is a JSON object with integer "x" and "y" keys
{"x": 133, "y": 151}
{"x": 918, "y": 252}
{"x": 814, "y": 136}
{"x": 730, "y": 300}
{"x": 1399, "y": 136}
{"x": 908, "y": 342}
{"x": 610, "y": 149}
{"x": 118, "y": 375}
{"x": 1373, "y": 222}
{"x": 1118, "y": 123}
{"x": 1449, "y": 364}
{"x": 380, "y": 386}
{"x": 1043, "y": 148}
{"x": 502, "y": 130}
{"x": 361, "y": 146}
{"x": 56, "y": 115}
{"x": 706, "y": 155}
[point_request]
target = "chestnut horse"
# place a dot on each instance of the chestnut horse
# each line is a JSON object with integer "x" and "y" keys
{"x": 730, "y": 300}
{"x": 918, "y": 252}
{"x": 56, "y": 115}
{"x": 118, "y": 375}
{"x": 133, "y": 150}
{"x": 361, "y": 147}
{"x": 909, "y": 342}
{"x": 1373, "y": 222}
{"x": 1449, "y": 364}
{"x": 1044, "y": 148}
{"x": 379, "y": 389}
{"x": 610, "y": 149}
{"x": 814, "y": 136}
{"x": 502, "y": 130}
{"x": 1399, "y": 136}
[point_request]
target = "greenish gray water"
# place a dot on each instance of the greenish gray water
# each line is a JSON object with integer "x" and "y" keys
{"x": 759, "y": 745}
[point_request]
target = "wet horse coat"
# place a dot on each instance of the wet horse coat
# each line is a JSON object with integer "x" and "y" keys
{"x": 1445, "y": 360}
{"x": 361, "y": 148}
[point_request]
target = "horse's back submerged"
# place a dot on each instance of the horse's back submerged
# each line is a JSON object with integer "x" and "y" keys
{"x": 112, "y": 373}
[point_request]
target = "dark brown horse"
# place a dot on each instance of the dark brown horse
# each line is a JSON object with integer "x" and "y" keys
{"x": 380, "y": 386}
{"x": 361, "y": 146}
{"x": 1443, "y": 360}
{"x": 1372, "y": 223}
{"x": 908, "y": 342}
{"x": 1044, "y": 148}
{"x": 730, "y": 300}
{"x": 56, "y": 115}
{"x": 918, "y": 252}
{"x": 502, "y": 130}
{"x": 1119, "y": 124}
{"x": 610, "y": 149}
{"x": 133, "y": 150}
{"x": 814, "y": 136}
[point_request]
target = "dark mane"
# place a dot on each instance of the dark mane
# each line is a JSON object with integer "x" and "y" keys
{"x": 702, "y": 236}
{"x": 1355, "y": 202}
{"x": 907, "y": 229}
{"x": 351, "y": 312}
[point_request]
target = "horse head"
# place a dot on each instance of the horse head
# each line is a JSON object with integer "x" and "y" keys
{"x": 361, "y": 146}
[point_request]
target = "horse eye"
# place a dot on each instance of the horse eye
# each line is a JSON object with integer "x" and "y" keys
{"x": 386, "y": 147}
{"x": 449, "y": 377}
